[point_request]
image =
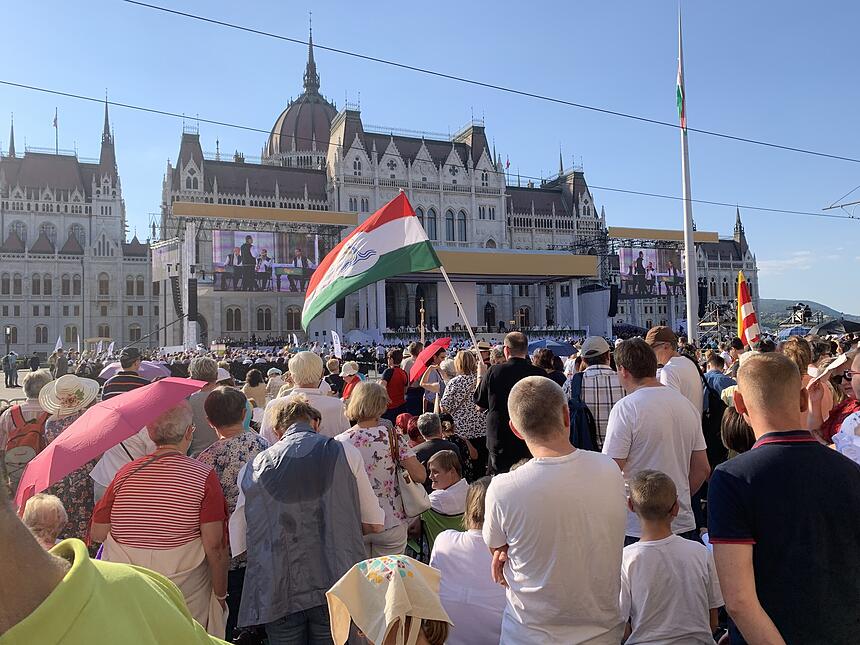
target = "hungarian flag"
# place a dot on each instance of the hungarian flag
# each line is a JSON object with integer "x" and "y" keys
{"x": 391, "y": 242}
{"x": 680, "y": 94}
{"x": 748, "y": 330}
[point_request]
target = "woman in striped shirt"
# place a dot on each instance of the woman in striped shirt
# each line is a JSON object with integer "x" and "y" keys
{"x": 167, "y": 512}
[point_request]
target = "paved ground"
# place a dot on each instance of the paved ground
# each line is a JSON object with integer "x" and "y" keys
{"x": 10, "y": 393}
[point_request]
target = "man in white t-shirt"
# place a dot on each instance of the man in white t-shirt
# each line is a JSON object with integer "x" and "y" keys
{"x": 654, "y": 427}
{"x": 678, "y": 372}
{"x": 555, "y": 526}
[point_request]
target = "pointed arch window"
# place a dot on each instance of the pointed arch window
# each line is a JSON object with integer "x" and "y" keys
{"x": 47, "y": 284}
{"x": 129, "y": 286}
{"x": 71, "y": 334}
{"x": 41, "y": 334}
{"x": 294, "y": 318}
{"x": 76, "y": 285}
{"x": 104, "y": 284}
{"x": 461, "y": 226}
{"x": 16, "y": 284}
{"x": 356, "y": 167}
{"x": 66, "y": 285}
{"x": 449, "y": 226}
{"x": 419, "y": 213}
{"x": 36, "y": 286}
{"x": 139, "y": 285}
{"x": 430, "y": 224}
{"x": 233, "y": 319}
{"x": 264, "y": 319}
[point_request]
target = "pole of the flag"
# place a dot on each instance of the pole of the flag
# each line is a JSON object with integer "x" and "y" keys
{"x": 692, "y": 282}
{"x": 56, "y": 134}
{"x": 460, "y": 307}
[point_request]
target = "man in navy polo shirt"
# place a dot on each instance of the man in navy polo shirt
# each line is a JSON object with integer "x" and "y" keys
{"x": 783, "y": 519}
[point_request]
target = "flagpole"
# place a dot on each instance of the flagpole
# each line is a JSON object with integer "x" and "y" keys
{"x": 56, "y": 134}
{"x": 459, "y": 306}
{"x": 692, "y": 281}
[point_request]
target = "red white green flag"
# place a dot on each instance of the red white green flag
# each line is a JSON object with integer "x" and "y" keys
{"x": 391, "y": 242}
{"x": 748, "y": 329}
{"x": 679, "y": 90}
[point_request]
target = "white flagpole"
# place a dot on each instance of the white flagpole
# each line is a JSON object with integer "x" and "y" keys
{"x": 459, "y": 306}
{"x": 692, "y": 281}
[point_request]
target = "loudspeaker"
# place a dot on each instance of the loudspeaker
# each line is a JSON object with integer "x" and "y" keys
{"x": 703, "y": 300}
{"x": 340, "y": 308}
{"x": 613, "y": 302}
{"x": 192, "y": 299}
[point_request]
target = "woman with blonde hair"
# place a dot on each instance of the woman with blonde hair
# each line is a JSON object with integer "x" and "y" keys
{"x": 377, "y": 444}
{"x": 45, "y": 516}
{"x": 469, "y": 420}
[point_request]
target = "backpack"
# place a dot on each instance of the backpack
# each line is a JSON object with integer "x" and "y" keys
{"x": 712, "y": 421}
{"x": 583, "y": 428}
{"x": 26, "y": 440}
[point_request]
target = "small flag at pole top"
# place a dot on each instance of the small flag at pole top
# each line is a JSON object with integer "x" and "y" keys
{"x": 55, "y": 117}
{"x": 679, "y": 90}
{"x": 507, "y": 162}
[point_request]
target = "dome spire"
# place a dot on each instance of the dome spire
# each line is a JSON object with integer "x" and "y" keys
{"x": 311, "y": 78}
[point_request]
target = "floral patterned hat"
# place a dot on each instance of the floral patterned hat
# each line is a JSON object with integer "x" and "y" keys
{"x": 68, "y": 394}
{"x": 375, "y": 594}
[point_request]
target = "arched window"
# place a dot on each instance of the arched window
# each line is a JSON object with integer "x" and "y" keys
{"x": 461, "y": 226}
{"x": 294, "y": 318}
{"x": 20, "y": 228}
{"x": 50, "y": 232}
{"x": 41, "y": 334}
{"x": 104, "y": 330}
{"x": 129, "y": 286}
{"x": 76, "y": 285}
{"x": 449, "y": 226}
{"x": 36, "y": 288}
{"x": 47, "y": 284}
{"x": 139, "y": 289}
{"x": 491, "y": 244}
{"x": 5, "y": 284}
{"x": 16, "y": 284}
{"x": 419, "y": 213}
{"x": 134, "y": 333}
{"x": 66, "y": 285}
{"x": 725, "y": 288}
{"x": 524, "y": 317}
{"x": 356, "y": 167}
{"x": 104, "y": 284}
{"x": 489, "y": 315}
{"x": 264, "y": 319}
{"x": 713, "y": 288}
{"x": 71, "y": 334}
{"x": 234, "y": 319}
{"x": 430, "y": 225}
{"x": 13, "y": 334}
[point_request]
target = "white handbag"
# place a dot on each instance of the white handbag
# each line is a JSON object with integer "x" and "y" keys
{"x": 413, "y": 496}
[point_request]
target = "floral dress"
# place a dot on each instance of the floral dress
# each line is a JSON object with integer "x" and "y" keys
{"x": 458, "y": 401}
{"x": 227, "y": 456}
{"x": 375, "y": 449}
{"x": 76, "y": 489}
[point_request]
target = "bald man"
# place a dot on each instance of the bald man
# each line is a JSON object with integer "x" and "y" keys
{"x": 783, "y": 520}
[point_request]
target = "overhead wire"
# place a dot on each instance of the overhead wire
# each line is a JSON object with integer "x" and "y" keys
{"x": 488, "y": 85}
{"x": 543, "y": 180}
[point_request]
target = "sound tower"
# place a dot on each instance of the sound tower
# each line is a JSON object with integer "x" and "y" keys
{"x": 703, "y": 299}
{"x": 613, "y": 302}
{"x": 192, "y": 299}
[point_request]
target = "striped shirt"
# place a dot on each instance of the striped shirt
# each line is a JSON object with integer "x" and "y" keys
{"x": 160, "y": 501}
{"x": 123, "y": 381}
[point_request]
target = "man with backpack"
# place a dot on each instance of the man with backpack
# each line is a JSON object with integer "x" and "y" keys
{"x": 597, "y": 388}
{"x": 22, "y": 427}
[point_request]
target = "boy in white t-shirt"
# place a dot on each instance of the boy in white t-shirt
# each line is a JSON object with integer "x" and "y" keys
{"x": 669, "y": 587}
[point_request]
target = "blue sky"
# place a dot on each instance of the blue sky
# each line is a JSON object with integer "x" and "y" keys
{"x": 779, "y": 72}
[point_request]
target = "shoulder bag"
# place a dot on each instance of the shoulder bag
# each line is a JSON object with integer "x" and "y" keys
{"x": 413, "y": 496}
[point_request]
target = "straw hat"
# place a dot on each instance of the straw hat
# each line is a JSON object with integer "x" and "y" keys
{"x": 68, "y": 394}
{"x": 350, "y": 368}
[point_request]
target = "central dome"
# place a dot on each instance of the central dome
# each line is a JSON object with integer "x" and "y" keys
{"x": 305, "y": 126}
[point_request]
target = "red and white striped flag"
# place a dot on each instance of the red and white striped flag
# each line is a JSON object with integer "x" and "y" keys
{"x": 748, "y": 329}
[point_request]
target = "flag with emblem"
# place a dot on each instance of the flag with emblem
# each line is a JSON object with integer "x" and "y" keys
{"x": 748, "y": 329}
{"x": 389, "y": 243}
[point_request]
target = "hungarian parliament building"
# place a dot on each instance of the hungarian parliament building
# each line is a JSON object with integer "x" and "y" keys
{"x": 68, "y": 271}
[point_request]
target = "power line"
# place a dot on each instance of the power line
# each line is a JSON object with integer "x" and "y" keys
{"x": 226, "y": 124}
{"x": 492, "y": 86}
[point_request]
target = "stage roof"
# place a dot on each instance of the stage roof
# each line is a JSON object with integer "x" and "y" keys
{"x": 255, "y": 213}
{"x": 661, "y": 235}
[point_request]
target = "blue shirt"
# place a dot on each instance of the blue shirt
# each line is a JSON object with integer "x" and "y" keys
{"x": 719, "y": 381}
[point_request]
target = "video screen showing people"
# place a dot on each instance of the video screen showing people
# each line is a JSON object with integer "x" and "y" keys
{"x": 647, "y": 273}
{"x": 265, "y": 261}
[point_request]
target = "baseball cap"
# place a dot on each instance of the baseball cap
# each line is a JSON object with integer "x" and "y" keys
{"x": 660, "y": 334}
{"x": 594, "y": 346}
{"x": 129, "y": 354}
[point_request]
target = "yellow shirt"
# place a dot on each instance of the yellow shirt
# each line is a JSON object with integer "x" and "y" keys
{"x": 106, "y": 602}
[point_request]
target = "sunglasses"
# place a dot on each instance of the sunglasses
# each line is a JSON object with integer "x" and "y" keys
{"x": 847, "y": 375}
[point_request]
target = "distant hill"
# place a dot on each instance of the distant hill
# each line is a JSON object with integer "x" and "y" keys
{"x": 772, "y": 311}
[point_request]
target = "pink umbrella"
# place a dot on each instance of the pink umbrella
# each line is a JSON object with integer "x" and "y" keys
{"x": 99, "y": 429}
{"x": 420, "y": 364}
{"x": 148, "y": 369}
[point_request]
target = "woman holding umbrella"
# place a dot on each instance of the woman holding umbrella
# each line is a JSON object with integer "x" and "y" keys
{"x": 66, "y": 399}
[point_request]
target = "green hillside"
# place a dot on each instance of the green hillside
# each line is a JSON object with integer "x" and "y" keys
{"x": 772, "y": 311}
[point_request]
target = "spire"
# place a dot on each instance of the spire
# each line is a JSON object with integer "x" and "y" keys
{"x": 107, "y": 157}
{"x": 311, "y": 78}
{"x": 739, "y": 227}
{"x": 106, "y": 135}
{"x": 560, "y": 162}
{"x": 12, "y": 138}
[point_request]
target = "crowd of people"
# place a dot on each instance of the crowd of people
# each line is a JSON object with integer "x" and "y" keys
{"x": 642, "y": 491}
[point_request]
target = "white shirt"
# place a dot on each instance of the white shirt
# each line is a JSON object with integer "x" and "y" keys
{"x": 668, "y": 588}
{"x": 138, "y": 445}
{"x": 563, "y": 519}
{"x": 452, "y": 500}
{"x": 470, "y": 597}
{"x": 656, "y": 428}
{"x": 371, "y": 511}
{"x": 683, "y": 375}
{"x": 331, "y": 408}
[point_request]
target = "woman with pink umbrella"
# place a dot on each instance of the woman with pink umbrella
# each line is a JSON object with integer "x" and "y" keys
{"x": 67, "y": 399}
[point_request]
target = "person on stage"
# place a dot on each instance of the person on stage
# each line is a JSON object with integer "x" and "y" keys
{"x": 640, "y": 274}
{"x": 249, "y": 263}
{"x": 299, "y": 260}
{"x": 264, "y": 270}
{"x": 232, "y": 268}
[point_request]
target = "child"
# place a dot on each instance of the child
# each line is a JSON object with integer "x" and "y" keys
{"x": 669, "y": 586}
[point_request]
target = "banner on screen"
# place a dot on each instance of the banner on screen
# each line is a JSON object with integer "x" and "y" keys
{"x": 265, "y": 260}
{"x": 649, "y": 273}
